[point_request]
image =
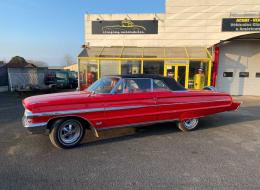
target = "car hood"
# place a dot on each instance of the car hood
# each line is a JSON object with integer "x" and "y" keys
{"x": 55, "y": 99}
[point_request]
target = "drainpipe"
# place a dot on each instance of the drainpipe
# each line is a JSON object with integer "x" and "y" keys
{"x": 215, "y": 67}
{"x": 78, "y": 63}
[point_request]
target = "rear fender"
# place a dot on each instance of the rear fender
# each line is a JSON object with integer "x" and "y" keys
{"x": 235, "y": 106}
{"x": 190, "y": 115}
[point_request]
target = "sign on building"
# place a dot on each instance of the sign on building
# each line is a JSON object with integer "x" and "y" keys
{"x": 125, "y": 27}
{"x": 240, "y": 24}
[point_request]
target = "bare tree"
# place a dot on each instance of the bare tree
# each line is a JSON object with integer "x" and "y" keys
{"x": 38, "y": 63}
{"x": 68, "y": 60}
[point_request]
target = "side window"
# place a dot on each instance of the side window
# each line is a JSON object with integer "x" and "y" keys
{"x": 137, "y": 85}
{"x": 159, "y": 85}
{"x": 119, "y": 89}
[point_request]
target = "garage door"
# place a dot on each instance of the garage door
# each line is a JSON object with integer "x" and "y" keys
{"x": 239, "y": 68}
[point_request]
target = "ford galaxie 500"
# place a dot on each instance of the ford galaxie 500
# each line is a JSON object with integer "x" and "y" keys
{"x": 120, "y": 101}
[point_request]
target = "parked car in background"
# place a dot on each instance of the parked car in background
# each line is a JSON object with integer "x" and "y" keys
{"x": 61, "y": 79}
{"x": 73, "y": 79}
{"x": 120, "y": 101}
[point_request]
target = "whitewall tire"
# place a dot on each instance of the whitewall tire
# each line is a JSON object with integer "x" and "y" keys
{"x": 188, "y": 125}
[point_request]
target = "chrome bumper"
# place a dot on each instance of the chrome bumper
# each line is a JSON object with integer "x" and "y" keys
{"x": 35, "y": 128}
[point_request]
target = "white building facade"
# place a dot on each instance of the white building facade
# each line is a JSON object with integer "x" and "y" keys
{"x": 228, "y": 30}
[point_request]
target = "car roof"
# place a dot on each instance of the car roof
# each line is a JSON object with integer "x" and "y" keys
{"x": 169, "y": 81}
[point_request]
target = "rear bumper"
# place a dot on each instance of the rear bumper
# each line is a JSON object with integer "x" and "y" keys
{"x": 235, "y": 106}
{"x": 35, "y": 128}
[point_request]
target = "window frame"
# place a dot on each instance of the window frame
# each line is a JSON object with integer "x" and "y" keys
{"x": 244, "y": 76}
{"x": 168, "y": 89}
{"x": 122, "y": 81}
{"x": 111, "y": 92}
{"x": 257, "y": 75}
{"x": 227, "y": 76}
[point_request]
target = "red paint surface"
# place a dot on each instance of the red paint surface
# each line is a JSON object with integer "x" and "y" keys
{"x": 158, "y": 106}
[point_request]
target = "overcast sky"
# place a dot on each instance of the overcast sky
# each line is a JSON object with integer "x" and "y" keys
{"x": 50, "y": 30}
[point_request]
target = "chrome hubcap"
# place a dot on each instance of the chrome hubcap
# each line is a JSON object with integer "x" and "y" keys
{"x": 191, "y": 123}
{"x": 70, "y": 131}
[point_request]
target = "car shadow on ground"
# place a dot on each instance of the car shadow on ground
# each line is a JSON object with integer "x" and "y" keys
{"x": 245, "y": 114}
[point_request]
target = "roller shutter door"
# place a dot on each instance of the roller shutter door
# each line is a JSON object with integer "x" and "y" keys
{"x": 239, "y": 68}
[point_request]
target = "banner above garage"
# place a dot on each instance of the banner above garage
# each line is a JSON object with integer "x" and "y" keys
{"x": 125, "y": 27}
{"x": 240, "y": 24}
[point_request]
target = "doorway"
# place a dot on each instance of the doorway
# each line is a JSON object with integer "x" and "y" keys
{"x": 180, "y": 72}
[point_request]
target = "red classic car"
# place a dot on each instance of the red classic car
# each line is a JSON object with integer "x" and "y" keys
{"x": 120, "y": 101}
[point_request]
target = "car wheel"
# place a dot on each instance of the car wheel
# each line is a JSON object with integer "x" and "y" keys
{"x": 66, "y": 133}
{"x": 188, "y": 125}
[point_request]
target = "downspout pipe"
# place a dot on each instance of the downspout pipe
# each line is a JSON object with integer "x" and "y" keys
{"x": 78, "y": 89}
{"x": 215, "y": 66}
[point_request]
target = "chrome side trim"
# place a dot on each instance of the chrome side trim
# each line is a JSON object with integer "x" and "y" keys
{"x": 30, "y": 114}
{"x": 208, "y": 101}
{"x": 137, "y": 124}
{"x": 123, "y": 108}
{"x": 238, "y": 106}
{"x": 36, "y": 125}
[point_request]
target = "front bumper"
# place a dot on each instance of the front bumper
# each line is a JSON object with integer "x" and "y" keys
{"x": 35, "y": 128}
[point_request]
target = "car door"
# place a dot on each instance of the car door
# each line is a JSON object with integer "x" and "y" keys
{"x": 132, "y": 103}
{"x": 167, "y": 101}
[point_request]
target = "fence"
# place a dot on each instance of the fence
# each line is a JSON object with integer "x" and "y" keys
{"x": 3, "y": 78}
{"x": 26, "y": 78}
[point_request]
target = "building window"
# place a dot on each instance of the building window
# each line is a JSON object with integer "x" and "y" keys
{"x": 257, "y": 75}
{"x": 130, "y": 67}
{"x": 228, "y": 74}
{"x": 109, "y": 67}
{"x": 153, "y": 67}
{"x": 92, "y": 73}
{"x": 244, "y": 74}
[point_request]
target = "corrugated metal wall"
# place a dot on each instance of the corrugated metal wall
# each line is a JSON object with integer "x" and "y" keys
{"x": 3, "y": 76}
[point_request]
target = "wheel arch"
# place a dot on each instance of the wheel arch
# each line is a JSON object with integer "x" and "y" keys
{"x": 86, "y": 124}
{"x": 190, "y": 115}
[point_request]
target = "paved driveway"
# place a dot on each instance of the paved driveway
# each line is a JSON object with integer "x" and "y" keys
{"x": 223, "y": 154}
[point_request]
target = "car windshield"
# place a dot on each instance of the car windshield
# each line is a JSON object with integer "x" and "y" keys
{"x": 73, "y": 75}
{"x": 60, "y": 75}
{"x": 104, "y": 85}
